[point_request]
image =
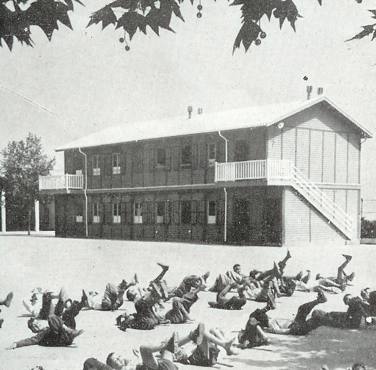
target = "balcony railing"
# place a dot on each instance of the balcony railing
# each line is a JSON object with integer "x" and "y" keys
{"x": 61, "y": 182}
{"x": 253, "y": 170}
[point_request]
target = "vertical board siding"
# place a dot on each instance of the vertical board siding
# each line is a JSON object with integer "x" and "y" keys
{"x": 341, "y": 158}
{"x": 354, "y": 159}
{"x": 289, "y": 144}
{"x": 303, "y": 151}
{"x": 329, "y": 157}
{"x": 316, "y": 156}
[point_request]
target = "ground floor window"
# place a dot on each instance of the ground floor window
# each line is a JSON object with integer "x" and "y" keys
{"x": 186, "y": 212}
{"x": 137, "y": 217}
{"x": 96, "y": 218}
{"x": 161, "y": 212}
{"x": 79, "y": 218}
{"x": 212, "y": 212}
{"x": 116, "y": 217}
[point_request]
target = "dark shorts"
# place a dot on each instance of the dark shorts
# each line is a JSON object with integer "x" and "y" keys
{"x": 198, "y": 358}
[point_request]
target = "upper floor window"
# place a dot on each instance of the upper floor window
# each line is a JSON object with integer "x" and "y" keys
{"x": 116, "y": 213}
{"x": 241, "y": 150}
{"x": 212, "y": 212}
{"x": 212, "y": 153}
{"x": 96, "y": 218}
{"x": 186, "y": 212}
{"x": 115, "y": 163}
{"x": 137, "y": 217}
{"x": 161, "y": 157}
{"x": 161, "y": 211}
{"x": 186, "y": 155}
{"x": 96, "y": 165}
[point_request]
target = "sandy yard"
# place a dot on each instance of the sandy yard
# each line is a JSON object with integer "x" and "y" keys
{"x": 28, "y": 262}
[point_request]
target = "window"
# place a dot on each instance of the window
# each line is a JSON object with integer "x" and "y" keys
{"x": 161, "y": 211}
{"x": 212, "y": 151}
{"x": 79, "y": 218}
{"x": 186, "y": 209}
{"x": 137, "y": 219}
{"x": 96, "y": 218}
{"x": 116, "y": 217}
{"x": 96, "y": 165}
{"x": 115, "y": 163}
{"x": 241, "y": 150}
{"x": 186, "y": 155}
{"x": 211, "y": 212}
{"x": 161, "y": 157}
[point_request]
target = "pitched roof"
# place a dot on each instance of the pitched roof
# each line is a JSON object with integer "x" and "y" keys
{"x": 257, "y": 116}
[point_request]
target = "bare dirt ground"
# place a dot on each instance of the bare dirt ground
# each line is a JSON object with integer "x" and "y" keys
{"x": 28, "y": 262}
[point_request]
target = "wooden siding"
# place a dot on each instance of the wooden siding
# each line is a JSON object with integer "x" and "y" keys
{"x": 320, "y": 144}
{"x": 303, "y": 224}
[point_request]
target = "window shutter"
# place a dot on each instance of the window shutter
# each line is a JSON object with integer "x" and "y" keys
{"x": 176, "y": 153}
{"x": 123, "y": 163}
{"x": 123, "y": 212}
{"x": 195, "y": 156}
{"x": 107, "y": 213}
{"x": 152, "y": 159}
{"x": 175, "y": 212}
{"x": 90, "y": 211}
{"x": 203, "y": 160}
{"x": 194, "y": 212}
{"x": 168, "y": 216}
{"x": 168, "y": 158}
{"x": 220, "y": 205}
{"x": 108, "y": 164}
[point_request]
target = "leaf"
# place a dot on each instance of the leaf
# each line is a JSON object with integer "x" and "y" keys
{"x": 130, "y": 21}
{"x": 104, "y": 15}
{"x": 367, "y": 30}
{"x": 248, "y": 33}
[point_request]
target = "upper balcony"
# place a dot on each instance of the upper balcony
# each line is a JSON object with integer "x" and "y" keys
{"x": 61, "y": 182}
{"x": 274, "y": 171}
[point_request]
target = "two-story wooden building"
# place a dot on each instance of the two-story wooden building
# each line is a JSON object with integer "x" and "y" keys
{"x": 276, "y": 175}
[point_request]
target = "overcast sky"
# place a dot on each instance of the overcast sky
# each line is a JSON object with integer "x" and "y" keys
{"x": 88, "y": 81}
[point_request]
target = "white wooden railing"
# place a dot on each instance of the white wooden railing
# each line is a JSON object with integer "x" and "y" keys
{"x": 61, "y": 182}
{"x": 283, "y": 172}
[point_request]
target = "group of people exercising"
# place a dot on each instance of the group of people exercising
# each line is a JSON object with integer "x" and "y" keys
{"x": 53, "y": 315}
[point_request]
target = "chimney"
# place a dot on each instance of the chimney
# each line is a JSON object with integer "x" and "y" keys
{"x": 320, "y": 91}
{"x": 199, "y": 111}
{"x": 190, "y": 110}
{"x": 309, "y": 92}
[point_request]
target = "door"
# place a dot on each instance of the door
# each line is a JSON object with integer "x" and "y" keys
{"x": 272, "y": 230}
{"x": 241, "y": 225}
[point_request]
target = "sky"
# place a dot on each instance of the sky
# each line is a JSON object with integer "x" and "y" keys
{"x": 84, "y": 80}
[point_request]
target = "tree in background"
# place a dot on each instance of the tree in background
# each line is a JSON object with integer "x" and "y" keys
{"x": 22, "y": 163}
{"x": 17, "y": 17}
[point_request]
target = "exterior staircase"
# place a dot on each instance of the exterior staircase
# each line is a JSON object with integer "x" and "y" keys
{"x": 283, "y": 172}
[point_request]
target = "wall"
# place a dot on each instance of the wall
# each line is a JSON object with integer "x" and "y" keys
{"x": 326, "y": 149}
{"x": 303, "y": 224}
{"x": 138, "y": 163}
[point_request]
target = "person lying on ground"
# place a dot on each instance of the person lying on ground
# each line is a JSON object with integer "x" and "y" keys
{"x": 94, "y": 364}
{"x": 6, "y": 302}
{"x": 206, "y": 350}
{"x": 59, "y": 304}
{"x": 300, "y": 325}
{"x": 304, "y": 284}
{"x": 253, "y": 334}
{"x": 235, "y": 302}
{"x": 34, "y": 304}
{"x": 147, "y": 303}
{"x": 57, "y": 334}
{"x": 148, "y": 360}
{"x": 189, "y": 282}
{"x": 341, "y": 280}
{"x": 357, "y": 316}
{"x": 112, "y": 298}
{"x": 181, "y": 306}
{"x": 228, "y": 278}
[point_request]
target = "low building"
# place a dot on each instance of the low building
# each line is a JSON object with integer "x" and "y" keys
{"x": 275, "y": 175}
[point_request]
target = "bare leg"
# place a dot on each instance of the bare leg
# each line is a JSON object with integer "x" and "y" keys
{"x": 341, "y": 276}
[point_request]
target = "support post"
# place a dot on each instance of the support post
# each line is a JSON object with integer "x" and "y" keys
{"x": 36, "y": 214}
{"x": 3, "y": 212}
